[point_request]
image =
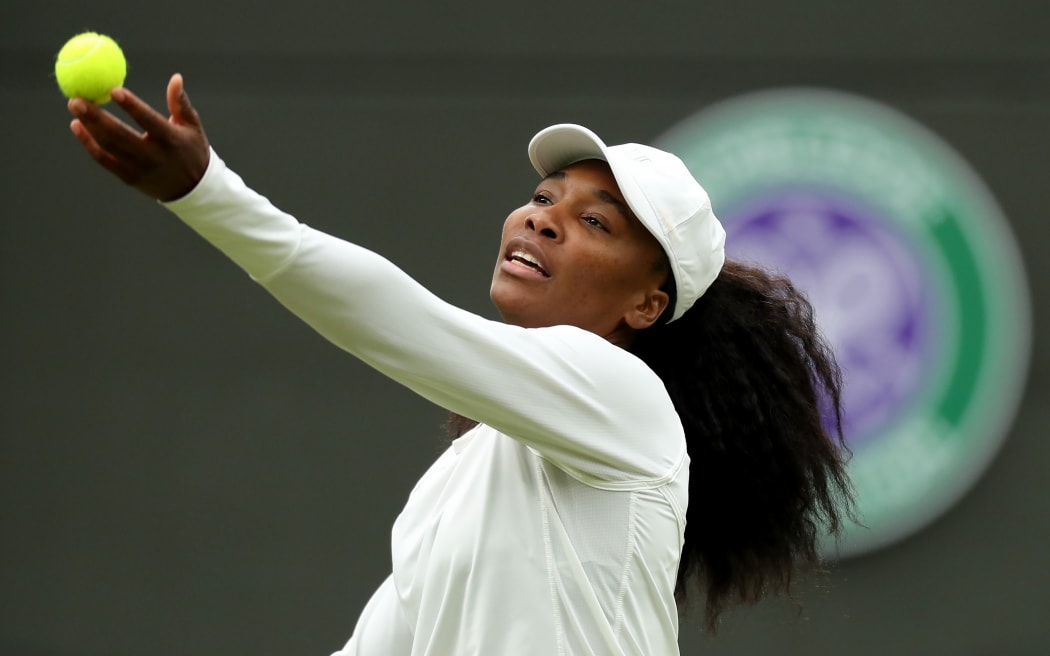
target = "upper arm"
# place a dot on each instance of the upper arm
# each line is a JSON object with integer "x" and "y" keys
{"x": 582, "y": 402}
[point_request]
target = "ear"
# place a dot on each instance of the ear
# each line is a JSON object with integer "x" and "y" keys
{"x": 645, "y": 313}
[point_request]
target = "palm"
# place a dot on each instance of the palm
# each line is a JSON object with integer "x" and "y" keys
{"x": 164, "y": 160}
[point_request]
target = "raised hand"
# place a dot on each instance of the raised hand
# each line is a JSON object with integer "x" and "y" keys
{"x": 165, "y": 160}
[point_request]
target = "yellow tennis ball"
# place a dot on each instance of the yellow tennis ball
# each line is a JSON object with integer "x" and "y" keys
{"x": 89, "y": 66}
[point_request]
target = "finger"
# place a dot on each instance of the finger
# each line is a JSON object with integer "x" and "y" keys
{"x": 86, "y": 140}
{"x": 182, "y": 111}
{"x": 152, "y": 121}
{"x": 107, "y": 130}
{"x": 94, "y": 150}
{"x": 175, "y": 89}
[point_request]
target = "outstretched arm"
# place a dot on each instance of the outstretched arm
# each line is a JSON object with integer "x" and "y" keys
{"x": 165, "y": 160}
{"x": 549, "y": 387}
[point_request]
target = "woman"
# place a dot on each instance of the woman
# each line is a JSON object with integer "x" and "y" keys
{"x": 637, "y": 378}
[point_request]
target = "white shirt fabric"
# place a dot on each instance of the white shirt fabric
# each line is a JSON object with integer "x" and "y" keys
{"x": 556, "y": 525}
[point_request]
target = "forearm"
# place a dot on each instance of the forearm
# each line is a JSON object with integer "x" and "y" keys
{"x": 354, "y": 297}
{"x": 240, "y": 222}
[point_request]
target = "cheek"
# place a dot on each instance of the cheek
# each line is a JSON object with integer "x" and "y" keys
{"x": 504, "y": 232}
{"x": 509, "y": 229}
{"x": 513, "y": 221}
{"x": 611, "y": 277}
{"x": 608, "y": 269}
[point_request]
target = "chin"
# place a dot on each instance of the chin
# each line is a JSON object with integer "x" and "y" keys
{"x": 504, "y": 296}
{"x": 512, "y": 317}
{"x": 517, "y": 307}
{"x": 500, "y": 304}
{"x": 514, "y": 314}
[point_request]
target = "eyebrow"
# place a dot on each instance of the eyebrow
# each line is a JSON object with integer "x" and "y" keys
{"x": 601, "y": 194}
{"x": 606, "y": 197}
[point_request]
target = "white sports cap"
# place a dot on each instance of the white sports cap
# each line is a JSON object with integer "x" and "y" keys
{"x": 661, "y": 192}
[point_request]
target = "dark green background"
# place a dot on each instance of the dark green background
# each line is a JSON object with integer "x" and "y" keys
{"x": 185, "y": 469}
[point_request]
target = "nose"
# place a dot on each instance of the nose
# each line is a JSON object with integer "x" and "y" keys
{"x": 543, "y": 224}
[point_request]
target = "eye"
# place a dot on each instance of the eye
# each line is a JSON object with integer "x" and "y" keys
{"x": 541, "y": 198}
{"x": 595, "y": 222}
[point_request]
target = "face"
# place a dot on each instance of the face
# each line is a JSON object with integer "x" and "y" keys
{"x": 575, "y": 254}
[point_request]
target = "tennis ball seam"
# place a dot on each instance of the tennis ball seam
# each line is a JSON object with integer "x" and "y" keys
{"x": 93, "y": 50}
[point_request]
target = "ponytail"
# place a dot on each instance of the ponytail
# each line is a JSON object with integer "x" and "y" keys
{"x": 759, "y": 394}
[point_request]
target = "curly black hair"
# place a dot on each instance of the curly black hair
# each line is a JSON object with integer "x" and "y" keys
{"x": 758, "y": 391}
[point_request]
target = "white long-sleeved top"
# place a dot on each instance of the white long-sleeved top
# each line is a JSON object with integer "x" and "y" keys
{"x": 556, "y": 525}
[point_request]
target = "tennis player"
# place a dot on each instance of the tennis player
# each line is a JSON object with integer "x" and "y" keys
{"x": 646, "y": 418}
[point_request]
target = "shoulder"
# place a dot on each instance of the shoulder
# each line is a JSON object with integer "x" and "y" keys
{"x": 597, "y": 353}
{"x": 633, "y": 399}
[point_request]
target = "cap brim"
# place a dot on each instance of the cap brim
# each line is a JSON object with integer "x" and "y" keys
{"x": 558, "y": 146}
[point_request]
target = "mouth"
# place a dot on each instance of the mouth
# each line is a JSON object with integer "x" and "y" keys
{"x": 520, "y": 257}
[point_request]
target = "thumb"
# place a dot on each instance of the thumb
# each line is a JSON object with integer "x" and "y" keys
{"x": 182, "y": 112}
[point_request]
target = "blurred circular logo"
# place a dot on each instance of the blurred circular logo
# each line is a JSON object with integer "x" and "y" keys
{"x": 911, "y": 268}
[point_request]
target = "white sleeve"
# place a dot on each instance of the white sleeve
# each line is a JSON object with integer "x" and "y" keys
{"x": 587, "y": 405}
